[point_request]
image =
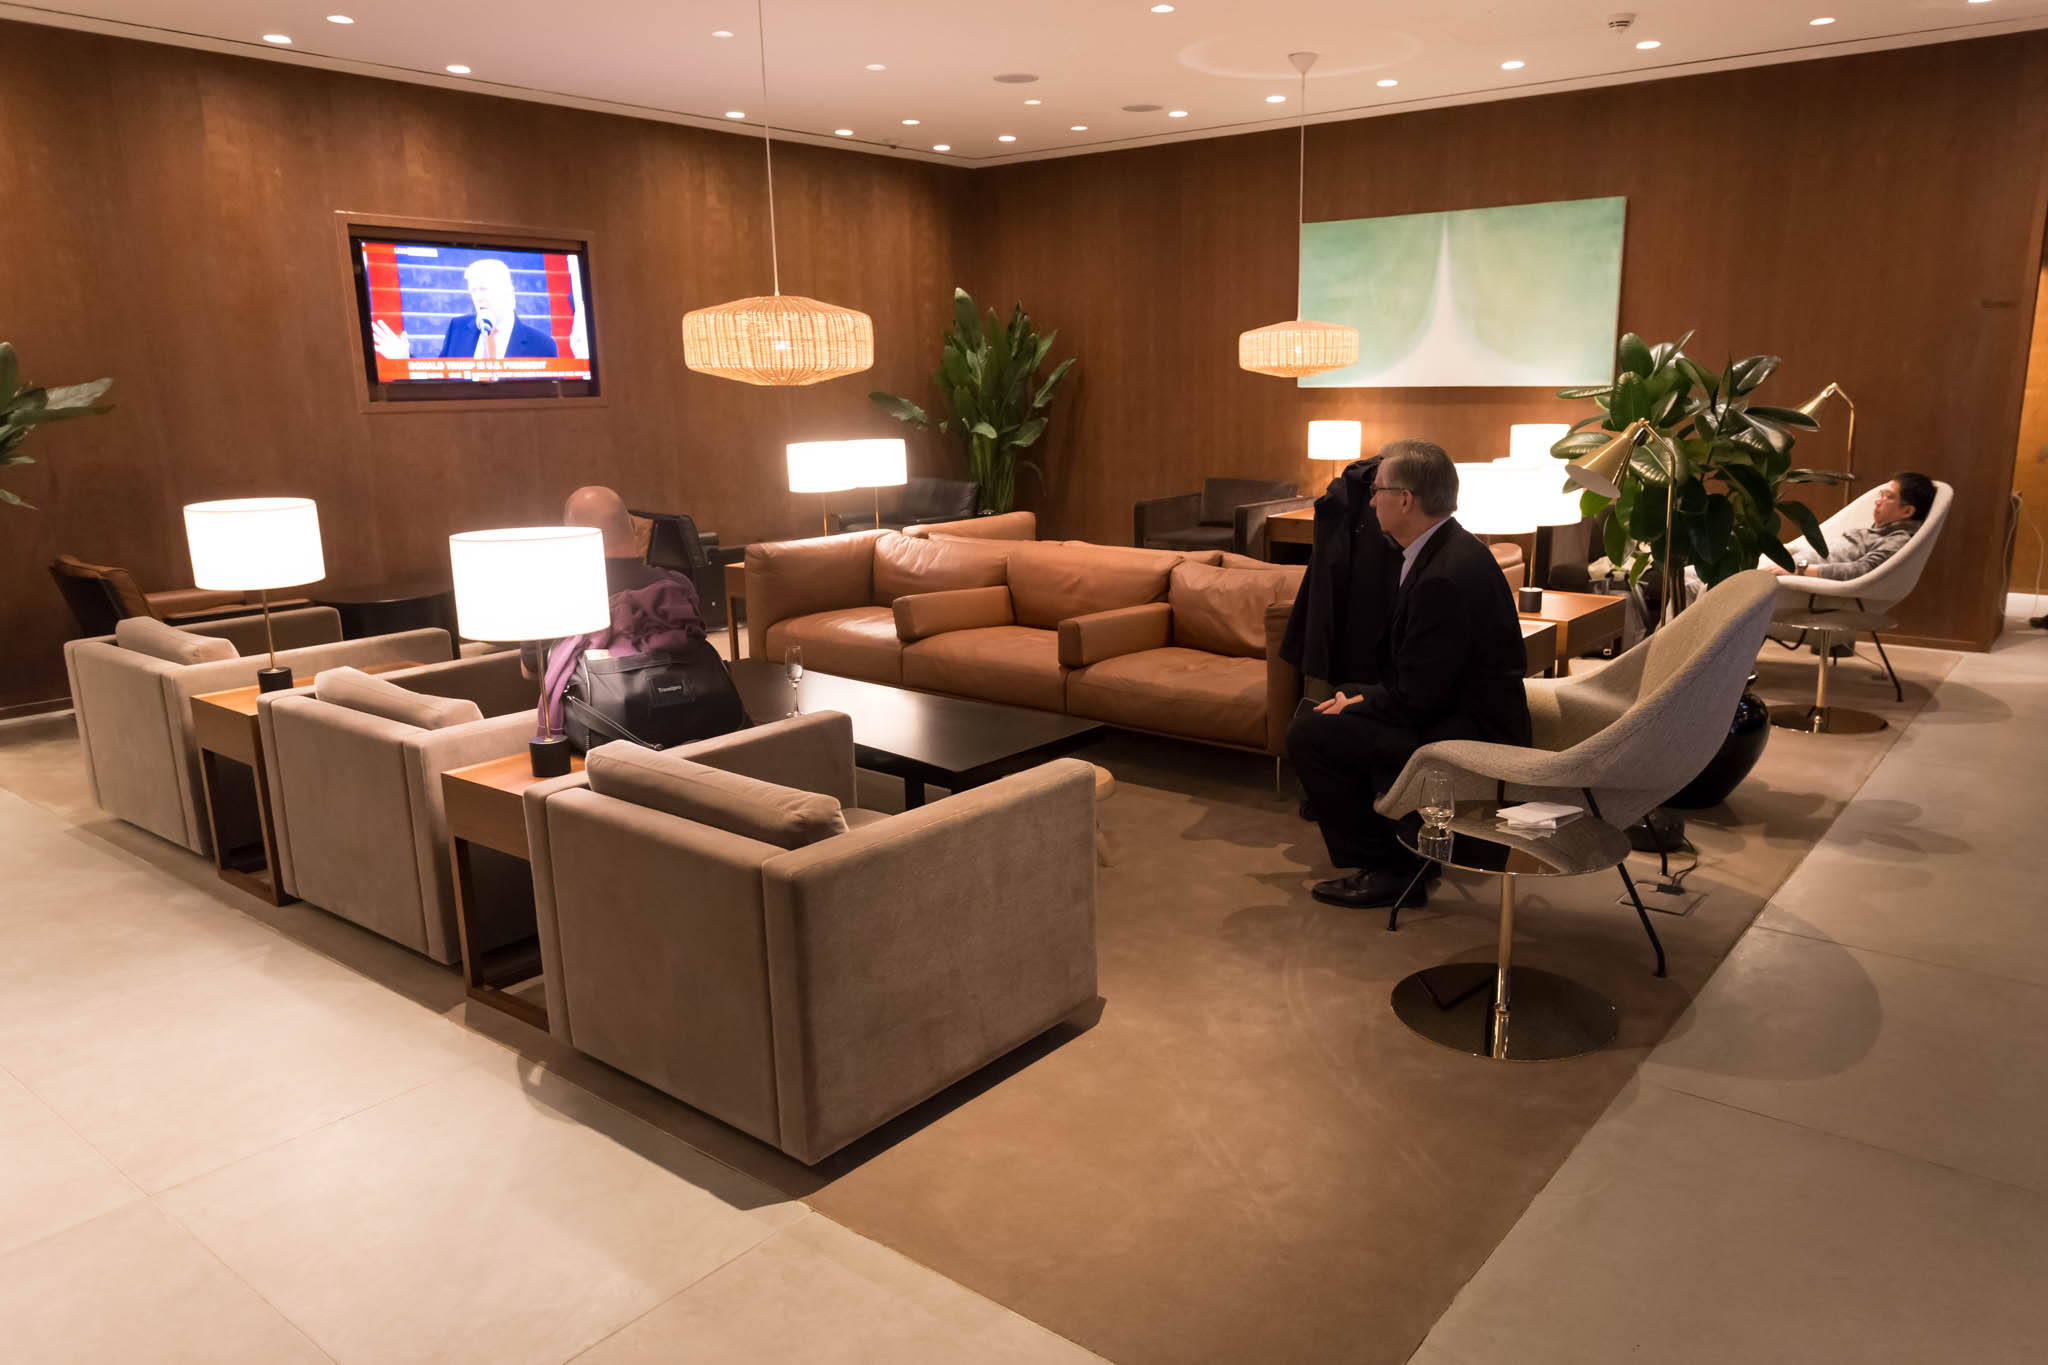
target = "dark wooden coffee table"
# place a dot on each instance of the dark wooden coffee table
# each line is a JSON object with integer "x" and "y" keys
{"x": 921, "y": 737}
{"x": 368, "y": 609}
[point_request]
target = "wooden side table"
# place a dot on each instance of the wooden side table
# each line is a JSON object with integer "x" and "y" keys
{"x": 1539, "y": 646}
{"x": 1585, "y": 621}
{"x": 230, "y": 755}
{"x": 485, "y": 808}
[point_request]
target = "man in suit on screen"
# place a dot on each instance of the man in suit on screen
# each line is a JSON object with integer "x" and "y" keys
{"x": 492, "y": 332}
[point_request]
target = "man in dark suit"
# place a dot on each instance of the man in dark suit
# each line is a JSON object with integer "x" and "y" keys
{"x": 1450, "y": 667}
{"x": 494, "y": 330}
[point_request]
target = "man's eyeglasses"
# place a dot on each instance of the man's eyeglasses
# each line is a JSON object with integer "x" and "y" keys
{"x": 1389, "y": 488}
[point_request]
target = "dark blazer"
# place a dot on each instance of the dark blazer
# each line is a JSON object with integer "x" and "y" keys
{"x": 1342, "y": 609}
{"x": 526, "y": 342}
{"x": 1451, "y": 660}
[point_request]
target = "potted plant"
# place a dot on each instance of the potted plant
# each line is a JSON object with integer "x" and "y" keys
{"x": 24, "y": 407}
{"x": 986, "y": 373}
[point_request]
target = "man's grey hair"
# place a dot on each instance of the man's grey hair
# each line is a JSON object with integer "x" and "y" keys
{"x": 1423, "y": 468}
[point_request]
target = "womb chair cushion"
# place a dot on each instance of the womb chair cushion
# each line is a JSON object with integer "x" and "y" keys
{"x": 783, "y": 816}
{"x": 1224, "y": 610}
{"x": 147, "y": 635}
{"x": 358, "y": 691}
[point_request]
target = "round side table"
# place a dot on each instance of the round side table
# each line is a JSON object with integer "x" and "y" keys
{"x": 1532, "y": 1015}
{"x": 1820, "y": 718}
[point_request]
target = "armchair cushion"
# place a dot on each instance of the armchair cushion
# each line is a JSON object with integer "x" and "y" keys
{"x": 358, "y": 691}
{"x": 906, "y": 565}
{"x": 746, "y": 806}
{"x": 147, "y": 635}
{"x": 1224, "y": 610}
{"x": 934, "y": 613}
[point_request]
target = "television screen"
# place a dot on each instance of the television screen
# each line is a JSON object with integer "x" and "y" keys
{"x": 471, "y": 319}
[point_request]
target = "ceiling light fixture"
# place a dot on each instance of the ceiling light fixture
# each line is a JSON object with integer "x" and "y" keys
{"x": 458, "y": 70}
{"x": 1816, "y": 23}
{"x": 942, "y": 146}
{"x": 1006, "y": 137}
{"x": 910, "y": 123}
{"x": 1388, "y": 84}
{"x": 785, "y": 340}
{"x": 1176, "y": 113}
{"x": 1289, "y": 350}
{"x": 339, "y": 19}
{"x": 842, "y": 132}
{"x": 1168, "y": 9}
{"x": 1513, "y": 66}
{"x": 281, "y": 39}
{"x": 735, "y": 113}
{"x": 876, "y": 66}
{"x": 1034, "y": 101}
{"x": 721, "y": 33}
{"x": 1078, "y": 128}
{"x": 1276, "y": 99}
{"x": 1648, "y": 44}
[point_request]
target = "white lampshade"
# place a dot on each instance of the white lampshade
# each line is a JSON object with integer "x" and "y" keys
{"x": 820, "y": 467}
{"x": 244, "y": 543}
{"x": 880, "y": 462}
{"x": 1498, "y": 499}
{"x": 1529, "y": 443}
{"x": 1334, "y": 440}
{"x": 529, "y": 582}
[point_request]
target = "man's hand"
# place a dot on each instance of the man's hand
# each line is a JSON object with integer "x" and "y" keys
{"x": 1334, "y": 704}
{"x": 1773, "y": 568}
{"x": 391, "y": 345}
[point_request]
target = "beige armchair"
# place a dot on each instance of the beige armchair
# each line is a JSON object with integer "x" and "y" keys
{"x": 809, "y": 980}
{"x": 355, "y": 796}
{"x": 132, "y": 694}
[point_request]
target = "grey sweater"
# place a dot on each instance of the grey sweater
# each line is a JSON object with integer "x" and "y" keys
{"x": 1858, "y": 552}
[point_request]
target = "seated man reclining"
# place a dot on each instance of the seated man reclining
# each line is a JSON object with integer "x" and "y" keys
{"x": 1899, "y": 513}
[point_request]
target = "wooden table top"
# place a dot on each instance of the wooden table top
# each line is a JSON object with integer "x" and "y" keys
{"x": 512, "y": 773}
{"x": 242, "y": 700}
{"x": 1296, "y": 527}
{"x": 1571, "y": 606}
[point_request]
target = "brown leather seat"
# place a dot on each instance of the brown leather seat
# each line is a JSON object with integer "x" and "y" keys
{"x": 1177, "y": 691}
{"x": 855, "y": 642}
{"x": 1015, "y": 664}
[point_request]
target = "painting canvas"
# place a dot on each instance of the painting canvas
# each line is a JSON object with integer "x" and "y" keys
{"x": 1525, "y": 296}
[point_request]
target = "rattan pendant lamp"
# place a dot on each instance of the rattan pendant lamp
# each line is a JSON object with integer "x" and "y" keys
{"x": 1290, "y": 350}
{"x": 785, "y": 340}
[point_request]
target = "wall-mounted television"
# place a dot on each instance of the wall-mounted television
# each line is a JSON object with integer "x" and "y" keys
{"x": 456, "y": 315}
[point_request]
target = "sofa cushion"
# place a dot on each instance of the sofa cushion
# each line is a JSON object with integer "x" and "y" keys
{"x": 784, "y": 816}
{"x": 358, "y": 691}
{"x": 856, "y": 642}
{"x": 1050, "y": 582}
{"x": 905, "y": 565}
{"x": 1013, "y": 664}
{"x": 1000, "y": 526}
{"x": 147, "y": 635}
{"x": 934, "y": 613}
{"x": 1176, "y": 691}
{"x": 1224, "y": 610}
{"x": 1294, "y": 572}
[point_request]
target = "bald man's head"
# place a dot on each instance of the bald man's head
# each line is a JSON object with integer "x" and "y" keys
{"x": 595, "y": 505}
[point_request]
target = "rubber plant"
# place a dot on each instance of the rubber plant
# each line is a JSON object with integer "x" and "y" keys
{"x": 1728, "y": 458}
{"x": 24, "y": 407}
{"x": 988, "y": 376}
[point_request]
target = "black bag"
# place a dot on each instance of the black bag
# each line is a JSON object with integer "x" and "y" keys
{"x": 655, "y": 700}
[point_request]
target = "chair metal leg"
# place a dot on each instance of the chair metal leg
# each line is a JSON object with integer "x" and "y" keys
{"x": 1898, "y": 692}
{"x": 1642, "y": 914}
{"x": 1394, "y": 910}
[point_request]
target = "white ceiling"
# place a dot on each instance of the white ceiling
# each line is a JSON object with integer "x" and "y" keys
{"x": 1217, "y": 59}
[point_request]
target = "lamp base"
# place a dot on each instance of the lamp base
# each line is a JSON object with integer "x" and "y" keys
{"x": 273, "y": 679}
{"x": 550, "y": 756}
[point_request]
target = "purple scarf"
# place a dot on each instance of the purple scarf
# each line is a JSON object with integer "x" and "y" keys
{"x": 661, "y": 616}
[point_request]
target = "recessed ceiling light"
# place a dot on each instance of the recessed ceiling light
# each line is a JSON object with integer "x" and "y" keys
{"x": 1078, "y": 128}
{"x": 1176, "y": 113}
{"x": 842, "y": 132}
{"x": 1006, "y": 137}
{"x": 280, "y": 39}
{"x": 1646, "y": 44}
{"x": 721, "y": 33}
{"x": 1017, "y": 78}
{"x": 1162, "y": 9}
{"x": 910, "y": 123}
{"x": 339, "y": 19}
{"x": 1276, "y": 99}
{"x": 1387, "y": 84}
{"x": 735, "y": 113}
{"x": 1034, "y": 101}
{"x": 458, "y": 70}
{"x": 1818, "y": 22}
{"x": 1511, "y": 66}
{"x": 876, "y": 66}
{"x": 942, "y": 146}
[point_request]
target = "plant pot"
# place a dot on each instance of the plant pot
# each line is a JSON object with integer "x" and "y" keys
{"x": 1744, "y": 745}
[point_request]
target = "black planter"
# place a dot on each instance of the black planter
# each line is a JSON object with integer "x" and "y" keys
{"x": 1747, "y": 733}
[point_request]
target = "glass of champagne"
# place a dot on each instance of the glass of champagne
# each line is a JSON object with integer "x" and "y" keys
{"x": 793, "y": 669}
{"x": 1439, "y": 802}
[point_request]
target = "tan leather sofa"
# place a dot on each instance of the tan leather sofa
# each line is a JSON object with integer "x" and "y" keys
{"x": 1177, "y": 643}
{"x": 720, "y": 921}
{"x": 355, "y": 789}
{"x": 133, "y": 701}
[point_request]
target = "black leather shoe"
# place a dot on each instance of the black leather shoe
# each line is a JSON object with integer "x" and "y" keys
{"x": 1368, "y": 890}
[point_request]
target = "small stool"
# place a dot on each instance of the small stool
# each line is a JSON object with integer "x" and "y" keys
{"x": 1105, "y": 787}
{"x": 1820, "y": 718}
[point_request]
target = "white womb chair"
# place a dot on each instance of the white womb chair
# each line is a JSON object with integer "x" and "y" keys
{"x": 1626, "y": 738}
{"x": 1802, "y": 600}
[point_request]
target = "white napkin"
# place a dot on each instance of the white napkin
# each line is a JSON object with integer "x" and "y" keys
{"x": 1537, "y": 815}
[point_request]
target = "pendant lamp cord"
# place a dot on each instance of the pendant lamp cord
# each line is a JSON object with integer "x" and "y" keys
{"x": 768, "y": 145}
{"x": 1300, "y": 189}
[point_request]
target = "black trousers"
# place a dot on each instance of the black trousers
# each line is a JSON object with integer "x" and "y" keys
{"x": 1346, "y": 762}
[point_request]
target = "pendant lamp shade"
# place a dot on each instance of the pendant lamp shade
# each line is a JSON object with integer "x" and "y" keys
{"x": 784, "y": 340}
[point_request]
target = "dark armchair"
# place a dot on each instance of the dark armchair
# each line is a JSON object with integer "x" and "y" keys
{"x": 673, "y": 542}
{"x": 101, "y": 594}
{"x": 1228, "y": 514}
{"x": 923, "y": 501}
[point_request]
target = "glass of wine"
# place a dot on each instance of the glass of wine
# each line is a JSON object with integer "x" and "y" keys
{"x": 793, "y": 669}
{"x": 1439, "y": 802}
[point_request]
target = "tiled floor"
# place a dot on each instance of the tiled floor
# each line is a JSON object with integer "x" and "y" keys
{"x": 1841, "y": 1151}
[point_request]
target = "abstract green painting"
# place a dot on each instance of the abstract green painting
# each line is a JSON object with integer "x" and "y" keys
{"x": 1528, "y": 295}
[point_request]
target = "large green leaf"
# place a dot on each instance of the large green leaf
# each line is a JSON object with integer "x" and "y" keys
{"x": 1601, "y": 391}
{"x": 1701, "y": 379}
{"x": 1829, "y": 476}
{"x": 1774, "y": 551}
{"x": 902, "y": 409}
{"x": 1027, "y": 433}
{"x": 1635, "y": 356}
{"x": 1752, "y": 371}
{"x": 13, "y": 501}
{"x": 76, "y": 400}
{"x": 10, "y": 372}
{"x": 966, "y": 321}
{"x": 1630, "y": 401}
{"x": 1785, "y": 417}
{"x": 1051, "y": 383}
{"x": 1800, "y": 515}
{"x": 1614, "y": 538}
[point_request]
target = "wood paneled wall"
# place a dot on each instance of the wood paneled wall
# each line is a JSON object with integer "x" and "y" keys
{"x": 1876, "y": 220}
{"x": 169, "y": 221}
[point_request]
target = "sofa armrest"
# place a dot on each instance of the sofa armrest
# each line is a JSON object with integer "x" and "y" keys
{"x": 1249, "y": 535}
{"x": 906, "y": 953}
{"x": 1154, "y": 515}
{"x": 294, "y": 629}
{"x": 1100, "y": 635}
{"x": 1283, "y": 679}
{"x": 788, "y": 578}
{"x": 920, "y": 614}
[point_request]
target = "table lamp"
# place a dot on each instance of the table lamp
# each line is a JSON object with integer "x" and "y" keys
{"x": 239, "y": 544}
{"x": 531, "y": 583}
{"x": 1499, "y": 499}
{"x": 1335, "y": 440}
{"x": 1529, "y": 446}
{"x": 820, "y": 467}
{"x": 879, "y": 462}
